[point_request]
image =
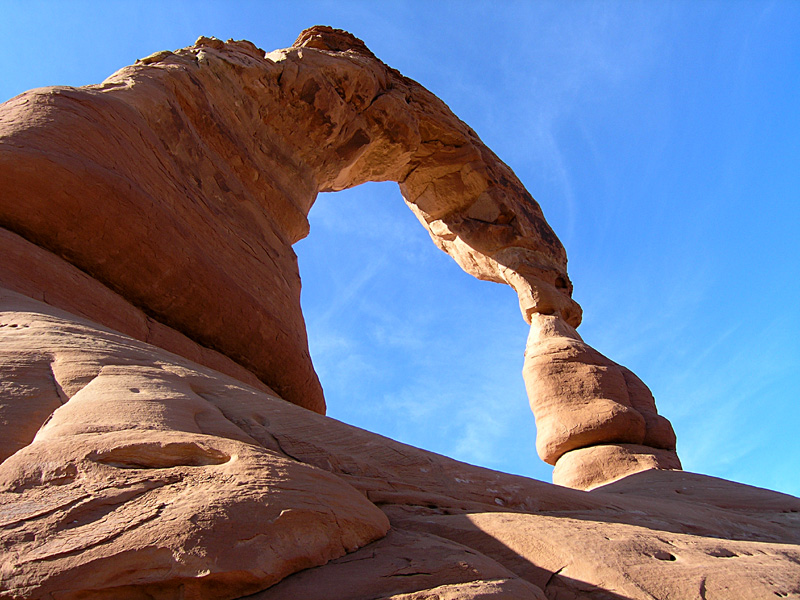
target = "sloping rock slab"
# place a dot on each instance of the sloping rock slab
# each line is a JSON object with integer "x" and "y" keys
{"x": 138, "y": 487}
{"x": 404, "y": 565}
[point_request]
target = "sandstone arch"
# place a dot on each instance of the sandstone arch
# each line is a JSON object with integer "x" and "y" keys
{"x": 360, "y": 121}
{"x": 147, "y": 204}
{"x": 181, "y": 182}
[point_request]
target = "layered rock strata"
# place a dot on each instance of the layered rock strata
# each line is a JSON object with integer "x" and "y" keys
{"x": 596, "y": 421}
{"x": 180, "y": 184}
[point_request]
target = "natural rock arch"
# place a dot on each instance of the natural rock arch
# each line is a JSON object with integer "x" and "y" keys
{"x": 146, "y": 204}
{"x": 182, "y": 181}
{"x": 217, "y": 138}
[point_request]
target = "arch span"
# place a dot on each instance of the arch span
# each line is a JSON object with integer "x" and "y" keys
{"x": 181, "y": 183}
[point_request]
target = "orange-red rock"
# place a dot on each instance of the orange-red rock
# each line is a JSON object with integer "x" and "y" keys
{"x": 214, "y": 154}
{"x": 161, "y": 477}
{"x": 137, "y": 483}
{"x": 150, "y": 306}
{"x": 404, "y": 561}
{"x": 34, "y": 272}
{"x": 583, "y": 401}
{"x": 593, "y": 466}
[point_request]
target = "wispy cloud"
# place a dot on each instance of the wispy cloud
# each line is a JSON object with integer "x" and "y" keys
{"x": 344, "y": 296}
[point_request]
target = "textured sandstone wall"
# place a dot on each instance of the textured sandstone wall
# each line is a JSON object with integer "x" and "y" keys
{"x": 153, "y": 477}
{"x": 596, "y": 421}
{"x": 181, "y": 183}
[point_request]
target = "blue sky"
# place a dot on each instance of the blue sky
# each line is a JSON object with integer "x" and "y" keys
{"x": 662, "y": 141}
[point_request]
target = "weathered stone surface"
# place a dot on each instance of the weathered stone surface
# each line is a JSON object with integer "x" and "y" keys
{"x": 403, "y": 565}
{"x": 625, "y": 561}
{"x": 147, "y": 226}
{"x": 154, "y": 469}
{"x": 476, "y": 590}
{"x": 587, "y": 468}
{"x": 138, "y": 485}
{"x": 42, "y": 275}
{"x": 221, "y": 151}
{"x": 581, "y": 399}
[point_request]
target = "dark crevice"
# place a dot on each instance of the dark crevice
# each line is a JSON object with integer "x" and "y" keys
{"x": 553, "y": 576}
{"x": 283, "y": 450}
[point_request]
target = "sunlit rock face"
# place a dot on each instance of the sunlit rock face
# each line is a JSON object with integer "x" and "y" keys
{"x": 135, "y": 473}
{"x": 151, "y": 335}
{"x": 182, "y": 182}
{"x": 137, "y": 480}
{"x": 596, "y": 421}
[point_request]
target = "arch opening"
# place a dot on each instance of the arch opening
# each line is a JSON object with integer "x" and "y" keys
{"x": 405, "y": 343}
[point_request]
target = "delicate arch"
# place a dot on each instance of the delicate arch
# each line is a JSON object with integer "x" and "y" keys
{"x": 182, "y": 181}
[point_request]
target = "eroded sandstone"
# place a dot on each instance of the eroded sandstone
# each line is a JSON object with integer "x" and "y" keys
{"x": 220, "y": 151}
{"x": 162, "y": 478}
{"x": 596, "y": 421}
{"x": 202, "y": 150}
{"x": 151, "y": 333}
{"x": 137, "y": 483}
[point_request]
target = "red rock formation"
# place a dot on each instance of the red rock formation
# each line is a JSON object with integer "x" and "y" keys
{"x": 137, "y": 482}
{"x": 150, "y": 476}
{"x": 181, "y": 182}
{"x": 596, "y": 421}
{"x": 150, "y": 306}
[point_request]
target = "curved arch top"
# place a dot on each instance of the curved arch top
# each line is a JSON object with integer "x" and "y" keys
{"x": 391, "y": 128}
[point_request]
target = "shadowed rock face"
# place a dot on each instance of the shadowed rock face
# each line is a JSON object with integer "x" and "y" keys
{"x": 150, "y": 331}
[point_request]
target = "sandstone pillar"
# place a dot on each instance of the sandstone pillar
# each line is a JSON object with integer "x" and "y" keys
{"x": 596, "y": 421}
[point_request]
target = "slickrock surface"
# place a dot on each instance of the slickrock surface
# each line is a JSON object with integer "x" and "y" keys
{"x": 151, "y": 335}
{"x": 138, "y": 483}
{"x": 143, "y": 475}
